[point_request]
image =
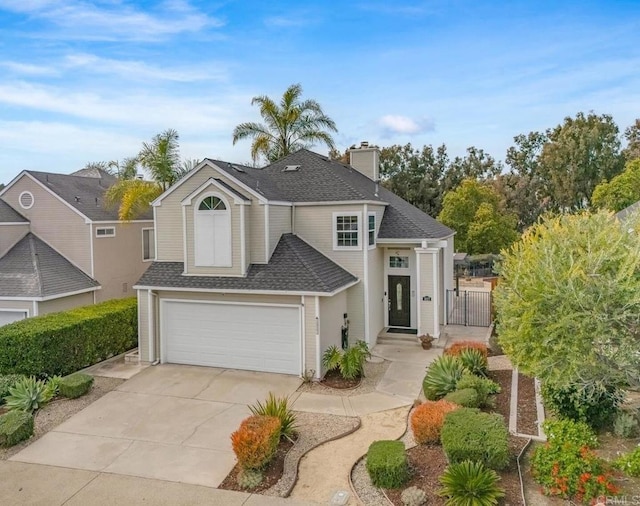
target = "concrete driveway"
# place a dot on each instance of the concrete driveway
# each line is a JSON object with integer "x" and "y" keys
{"x": 169, "y": 422}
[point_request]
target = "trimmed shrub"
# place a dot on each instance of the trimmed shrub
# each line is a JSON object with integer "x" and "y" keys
{"x": 629, "y": 463}
{"x": 594, "y": 403}
{"x": 456, "y": 348}
{"x": 387, "y": 464}
{"x": 6, "y": 382}
{"x": 15, "y": 426}
{"x": 470, "y": 484}
{"x": 568, "y": 431}
{"x": 474, "y": 361}
{"x": 75, "y": 385}
{"x": 427, "y": 420}
{"x": 278, "y": 407}
{"x": 442, "y": 377}
{"x": 256, "y": 441}
{"x": 468, "y": 434}
{"x": 29, "y": 395}
{"x": 465, "y": 397}
{"x": 484, "y": 386}
{"x": 62, "y": 343}
{"x": 413, "y": 496}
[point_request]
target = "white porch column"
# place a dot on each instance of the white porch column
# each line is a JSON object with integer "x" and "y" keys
{"x": 428, "y": 291}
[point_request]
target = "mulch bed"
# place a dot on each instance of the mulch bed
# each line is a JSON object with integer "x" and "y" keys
{"x": 429, "y": 462}
{"x": 334, "y": 379}
{"x": 503, "y": 399}
{"x": 270, "y": 475}
{"x": 527, "y": 412}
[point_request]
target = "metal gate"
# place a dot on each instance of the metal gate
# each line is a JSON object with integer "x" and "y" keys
{"x": 468, "y": 307}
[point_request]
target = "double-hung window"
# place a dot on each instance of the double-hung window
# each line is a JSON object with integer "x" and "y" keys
{"x": 346, "y": 231}
{"x": 148, "y": 245}
{"x": 372, "y": 229}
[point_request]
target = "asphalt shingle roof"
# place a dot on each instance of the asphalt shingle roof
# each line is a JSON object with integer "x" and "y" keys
{"x": 84, "y": 193}
{"x": 33, "y": 269}
{"x": 624, "y": 214}
{"x": 295, "y": 266}
{"x": 9, "y": 215}
{"x": 320, "y": 179}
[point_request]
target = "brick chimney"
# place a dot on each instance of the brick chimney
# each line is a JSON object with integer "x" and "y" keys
{"x": 366, "y": 159}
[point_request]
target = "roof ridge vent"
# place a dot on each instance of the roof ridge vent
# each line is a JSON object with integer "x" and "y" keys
{"x": 291, "y": 168}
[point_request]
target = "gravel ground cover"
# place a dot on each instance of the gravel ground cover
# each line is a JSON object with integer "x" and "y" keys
{"x": 373, "y": 372}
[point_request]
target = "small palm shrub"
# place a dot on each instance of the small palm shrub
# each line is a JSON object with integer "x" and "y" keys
{"x": 629, "y": 463}
{"x": 442, "y": 377}
{"x": 456, "y": 348}
{"x": 484, "y": 386}
{"x": 349, "y": 362}
{"x": 427, "y": 420}
{"x": 278, "y": 407}
{"x": 465, "y": 397}
{"x": 387, "y": 464}
{"x": 28, "y": 395}
{"x": 6, "y": 382}
{"x": 470, "y": 484}
{"x": 474, "y": 361}
{"x": 256, "y": 441}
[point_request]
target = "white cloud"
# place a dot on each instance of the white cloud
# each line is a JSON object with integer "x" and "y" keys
{"x": 29, "y": 69}
{"x": 395, "y": 124}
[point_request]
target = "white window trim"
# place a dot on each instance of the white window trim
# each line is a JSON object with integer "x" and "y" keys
{"x": 226, "y": 211}
{"x": 375, "y": 228}
{"x": 33, "y": 199}
{"x": 334, "y": 227}
{"x": 150, "y": 243}
{"x": 105, "y": 236}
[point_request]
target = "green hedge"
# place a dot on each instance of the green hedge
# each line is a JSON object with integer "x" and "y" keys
{"x": 469, "y": 434}
{"x": 387, "y": 464}
{"x": 15, "y": 426}
{"x": 75, "y": 385}
{"x": 6, "y": 382}
{"x": 63, "y": 343}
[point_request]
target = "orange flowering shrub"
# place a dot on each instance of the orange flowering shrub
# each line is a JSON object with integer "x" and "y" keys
{"x": 427, "y": 420}
{"x": 256, "y": 441}
{"x": 456, "y": 348}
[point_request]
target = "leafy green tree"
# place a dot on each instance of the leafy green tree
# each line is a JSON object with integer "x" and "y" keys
{"x": 476, "y": 164}
{"x": 622, "y": 191}
{"x": 568, "y": 304}
{"x": 521, "y": 194}
{"x": 632, "y": 135}
{"x": 579, "y": 154}
{"x": 291, "y": 125}
{"x": 482, "y": 224}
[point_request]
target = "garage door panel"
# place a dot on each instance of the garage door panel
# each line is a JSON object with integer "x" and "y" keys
{"x": 7, "y": 317}
{"x": 259, "y": 338}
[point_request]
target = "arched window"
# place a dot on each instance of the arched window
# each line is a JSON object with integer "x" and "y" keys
{"x": 212, "y": 232}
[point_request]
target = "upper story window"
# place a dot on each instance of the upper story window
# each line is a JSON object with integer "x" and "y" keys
{"x": 346, "y": 231}
{"x": 372, "y": 229}
{"x": 105, "y": 232}
{"x": 212, "y": 233}
{"x": 148, "y": 244}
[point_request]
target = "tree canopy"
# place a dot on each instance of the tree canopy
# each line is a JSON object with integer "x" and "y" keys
{"x": 482, "y": 224}
{"x": 568, "y": 304}
{"x": 291, "y": 125}
{"x": 622, "y": 191}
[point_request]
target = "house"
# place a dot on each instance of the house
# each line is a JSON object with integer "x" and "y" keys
{"x": 260, "y": 269}
{"x": 61, "y": 248}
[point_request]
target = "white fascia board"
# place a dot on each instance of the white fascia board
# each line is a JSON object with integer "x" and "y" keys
{"x": 212, "y": 182}
{"x": 341, "y": 203}
{"x": 245, "y": 292}
{"x": 25, "y": 223}
{"x": 399, "y": 241}
{"x": 186, "y": 178}
{"x": 109, "y": 222}
{"x": 52, "y": 297}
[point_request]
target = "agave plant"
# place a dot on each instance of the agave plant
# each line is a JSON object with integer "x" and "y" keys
{"x": 29, "y": 395}
{"x": 442, "y": 377}
{"x": 474, "y": 361}
{"x": 278, "y": 407}
{"x": 470, "y": 484}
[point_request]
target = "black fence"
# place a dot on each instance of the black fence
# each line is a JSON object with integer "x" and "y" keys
{"x": 469, "y": 307}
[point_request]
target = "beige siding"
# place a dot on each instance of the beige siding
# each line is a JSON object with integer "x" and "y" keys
{"x": 27, "y": 305}
{"x": 64, "y": 303}
{"x": 231, "y": 297}
{"x": 10, "y": 235}
{"x": 51, "y": 220}
{"x": 331, "y": 319}
{"x": 428, "y": 281}
{"x": 256, "y": 247}
{"x": 310, "y": 328}
{"x": 377, "y": 305}
{"x": 117, "y": 261}
{"x": 279, "y": 223}
{"x": 143, "y": 325}
{"x": 315, "y": 226}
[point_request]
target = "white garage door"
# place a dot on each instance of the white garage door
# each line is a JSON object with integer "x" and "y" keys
{"x": 255, "y": 338}
{"x": 11, "y": 316}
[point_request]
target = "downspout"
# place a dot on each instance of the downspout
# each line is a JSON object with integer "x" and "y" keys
{"x": 151, "y": 329}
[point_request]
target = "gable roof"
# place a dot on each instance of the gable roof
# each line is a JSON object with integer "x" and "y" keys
{"x": 35, "y": 270}
{"x": 9, "y": 215}
{"x": 295, "y": 266}
{"x": 624, "y": 214}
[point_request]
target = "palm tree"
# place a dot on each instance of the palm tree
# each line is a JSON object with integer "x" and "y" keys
{"x": 161, "y": 159}
{"x": 289, "y": 126}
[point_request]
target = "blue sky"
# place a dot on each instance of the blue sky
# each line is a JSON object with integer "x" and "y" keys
{"x": 88, "y": 81}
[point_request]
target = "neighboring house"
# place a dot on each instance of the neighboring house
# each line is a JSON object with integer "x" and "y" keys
{"x": 627, "y": 211}
{"x": 259, "y": 269}
{"x": 61, "y": 248}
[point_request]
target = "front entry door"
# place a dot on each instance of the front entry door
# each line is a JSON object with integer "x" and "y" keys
{"x": 399, "y": 302}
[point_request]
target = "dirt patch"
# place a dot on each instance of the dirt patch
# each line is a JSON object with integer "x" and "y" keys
{"x": 503, "y": 399}
{"x": 61, "y": 409}
{"x": 527, "y": 411}
{"x": 333, "y": 379}
{"x": 270, "y": 475}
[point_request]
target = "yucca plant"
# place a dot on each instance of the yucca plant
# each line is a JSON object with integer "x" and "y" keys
{"x": 278, "y": 407}
{"x": 442, "y": 377}
{"x": 28, "y": 394}
{"x": 470, "y": 484}
{"x": 474, "y": 361}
